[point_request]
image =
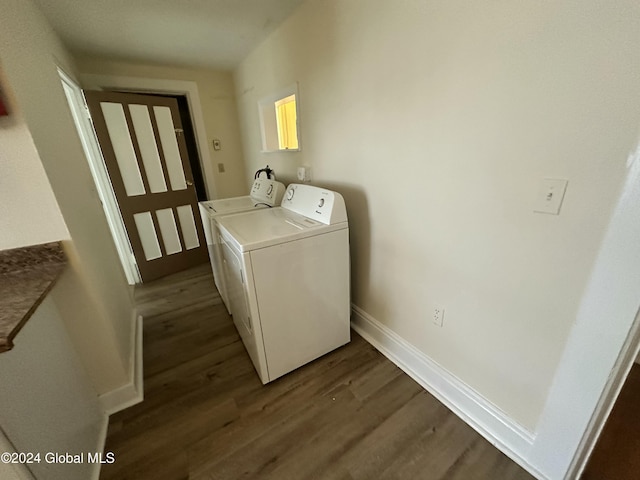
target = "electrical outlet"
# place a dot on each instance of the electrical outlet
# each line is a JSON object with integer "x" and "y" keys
{"x": 438, "y": 316}
{"x": 304, "y": 174}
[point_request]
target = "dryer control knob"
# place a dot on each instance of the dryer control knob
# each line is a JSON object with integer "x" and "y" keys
{"x": 290, "y": 193}
{"x": 321, "y": 203}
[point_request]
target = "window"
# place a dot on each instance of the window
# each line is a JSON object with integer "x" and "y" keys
{"x": 279, "y": 121}
{"x": 286, "y": 120}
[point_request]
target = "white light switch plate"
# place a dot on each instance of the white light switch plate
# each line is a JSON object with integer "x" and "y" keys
{"x": 550, "y": 196}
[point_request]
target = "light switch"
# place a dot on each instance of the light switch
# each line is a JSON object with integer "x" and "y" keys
{"x": 550, "y": 195}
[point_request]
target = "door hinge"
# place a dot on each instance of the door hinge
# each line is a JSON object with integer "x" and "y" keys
{"x": 179, "y": 131}
{"x": 87, "y": 112}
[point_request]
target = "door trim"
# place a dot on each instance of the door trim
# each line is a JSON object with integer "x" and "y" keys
{"x": 100, "y": 176}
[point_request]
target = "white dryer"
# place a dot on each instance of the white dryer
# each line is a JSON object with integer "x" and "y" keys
{"x": 264, "y": 193}
{"x": 288, "y": 279}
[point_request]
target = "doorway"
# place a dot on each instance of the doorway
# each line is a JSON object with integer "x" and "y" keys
{"x": 188, "y": 90}
{"x": 144, "y": 150}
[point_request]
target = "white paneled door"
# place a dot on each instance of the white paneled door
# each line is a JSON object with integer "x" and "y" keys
{"x": 143, "y": 146}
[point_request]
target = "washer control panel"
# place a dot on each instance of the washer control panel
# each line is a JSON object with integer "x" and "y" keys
{"x": 319, "y": 204}
{"x": 267, "y": 191}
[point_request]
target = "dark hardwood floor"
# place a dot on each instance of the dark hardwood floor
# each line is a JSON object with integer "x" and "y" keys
{"x": 349, "y": 415}
{"x": 617, "y": 453}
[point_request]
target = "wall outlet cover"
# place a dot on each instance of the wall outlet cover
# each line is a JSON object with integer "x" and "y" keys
{"x": 304, "y": 174}
{"x": 438, "y": 316}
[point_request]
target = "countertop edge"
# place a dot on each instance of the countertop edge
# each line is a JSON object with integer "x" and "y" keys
{"x": 28, "y": 274}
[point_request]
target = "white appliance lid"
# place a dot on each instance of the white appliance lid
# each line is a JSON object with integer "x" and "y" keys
{"x": 229, "y": 205}
{"x": 264, "y": 193}
{"x": 253, "y": 230}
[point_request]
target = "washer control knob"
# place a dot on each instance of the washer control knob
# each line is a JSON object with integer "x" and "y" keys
{"x": 321, "y": 203}
{"x": 290, "y": 193}
{"x": 270, "y": 189}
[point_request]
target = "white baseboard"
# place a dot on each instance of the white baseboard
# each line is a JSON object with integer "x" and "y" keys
{"x": 102, "y": 440}
{"x": 132, "y": 392}
{"x": 492, "y": 423}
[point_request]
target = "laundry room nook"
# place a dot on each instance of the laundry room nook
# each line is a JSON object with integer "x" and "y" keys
{"x": 287, "y": 273}
{"x": 318, "y": 239}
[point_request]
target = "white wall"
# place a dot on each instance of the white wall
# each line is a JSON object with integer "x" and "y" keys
{"x": 29, "y": 214}
{"x": 219, "y": 114}
{"x": 436, "y": 120}
{"x": 93, "y": 296}
{"x": 602, "y": 344}
{"x": 48, "y": 403}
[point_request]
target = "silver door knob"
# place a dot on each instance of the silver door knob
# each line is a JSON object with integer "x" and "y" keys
{"x": 189, "y": 183}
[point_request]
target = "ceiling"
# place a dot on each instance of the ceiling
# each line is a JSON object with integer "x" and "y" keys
{"x": 214, "y": 34}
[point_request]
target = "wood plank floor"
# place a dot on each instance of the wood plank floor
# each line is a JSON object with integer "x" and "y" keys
{"x": 617, "y": 453}
{"x": 349, "y": 415}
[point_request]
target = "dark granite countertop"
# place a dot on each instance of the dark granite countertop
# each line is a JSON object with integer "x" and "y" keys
{"x": 26, "y": 276}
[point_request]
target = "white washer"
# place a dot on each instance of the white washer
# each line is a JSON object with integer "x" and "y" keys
{"x": 264, "y": 193}
{"x": 288, "y": 279}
